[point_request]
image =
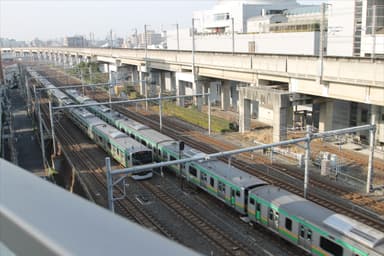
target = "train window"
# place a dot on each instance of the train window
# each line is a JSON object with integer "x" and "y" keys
{"x": 238, "y": 193}
{"x": 331, "y": 247}
{"x": 221, "y": 186}
{"x": 309, "y": 235}
{"x": 193, "y": 171}
{"x": 258, "y": 207}
{"x": 271, "y": 215}
{"x": 252, "y": 201}
{"x": 302, "y": 231}
{"x": 288, "y": 224}
{"x": 211, "y": 181}
{"x": 173, "y": 158}
{"x": 203, "y": 176}
{"x": 277, "y": 219}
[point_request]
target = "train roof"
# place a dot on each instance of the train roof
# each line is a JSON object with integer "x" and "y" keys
{"x": 59, "y": 94}
{"x": 356, "y": 230}
{"x": 121, "y": 139}
{"x": 232, "y": 174}
{"x": 155, "y": 136}
{"x": 320, "y": 216}
{"x": 90, "y": 118}
{"x": 130, "y": 123}
{"x": 219, "y": 168}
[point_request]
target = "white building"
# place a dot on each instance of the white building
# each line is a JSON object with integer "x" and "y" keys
{"x": 219, "y": 19}
{"x": 284, "y": 27}
{"x": 261, "y": 24}
{"x": 350, "y": 28}
{"x": 252, "y": 22}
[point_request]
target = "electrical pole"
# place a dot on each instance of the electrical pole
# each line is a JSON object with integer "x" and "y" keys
{"x": 193, "y": 47}
{"x": 373, "y": 31}
{"x": 233, "y": 36}
{"x": 178, "y": 38}
{"x": 1, "y": 71}
{"x": 321, "y": 43}
{"x": 111, "y": 40}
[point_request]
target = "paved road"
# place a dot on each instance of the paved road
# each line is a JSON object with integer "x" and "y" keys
{"x": 25, "y": 140}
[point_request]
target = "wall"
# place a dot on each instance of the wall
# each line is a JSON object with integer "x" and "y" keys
{"x": 367, "y": 45}
{"x": 303, "y": 43}
{"x": 340, "y": 28}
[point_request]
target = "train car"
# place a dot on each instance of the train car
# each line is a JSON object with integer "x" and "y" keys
{"x": 101, "y": 111}
{"x": 124, "y": 149}
{"x": 58, "y": 97}
{"x": 314, "y": 228}
{"x": 85, "y": 120}
{"x": 227, "y": 183}
{"x": 147, "y": 136}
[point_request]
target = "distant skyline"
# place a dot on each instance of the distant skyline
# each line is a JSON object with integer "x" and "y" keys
{"x": 44, "y": 19}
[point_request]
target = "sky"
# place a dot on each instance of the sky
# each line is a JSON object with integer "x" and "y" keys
{"x": 53, "y": 19}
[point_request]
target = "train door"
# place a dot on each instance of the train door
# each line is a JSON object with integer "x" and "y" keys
{"x": 273, "y": 219}
{"x": 203, "y": 179}
{"x": 258, "y": 212}
{"x": 305, "y": 237}
{"x": 128, "y": 159}
{"x": 221, "y": 189}
{"x": 233, "y": 198}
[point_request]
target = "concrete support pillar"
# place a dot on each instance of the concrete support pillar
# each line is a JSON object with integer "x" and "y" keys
{"x": 152, "y": 82}
{"x": 162, "y": 81}
{"x": 180, "y": 90}
{"x": 66, "y": 60}
{"x": 334, "y": 115}
{"x": 205, "y": 86}
{"x": 235, "y": 97}
{"x": 122, "y": 72}
{"x": 135, "y": 76}
{"x": 244, "y": 114}
{"x": 225, "y": 95}
{"x": 78, "y": 59}
{"x": 282, "y": 112}
{"x": 143, "y": 81}
{"x": 173, "y": 81}
{"x": 197, "y": 88}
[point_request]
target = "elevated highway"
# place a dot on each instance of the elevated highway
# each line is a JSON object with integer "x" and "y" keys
{"x": 276, "y": 82}
{"x": 353, "y": 79}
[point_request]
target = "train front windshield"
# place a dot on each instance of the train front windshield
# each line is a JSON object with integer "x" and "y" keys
{"x": 142, "y": 157}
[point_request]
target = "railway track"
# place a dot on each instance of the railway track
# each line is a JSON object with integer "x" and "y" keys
{"x": 270, "y": 174}
{"x": 260, "y": 170}
{"x": 94, "y": 176}
{"x": 227, "y": 244}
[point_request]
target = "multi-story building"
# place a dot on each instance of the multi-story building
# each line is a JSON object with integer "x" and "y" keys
{"x": 351, "y": 28}
{"x": 356, "y": 28}
{"x": 75, "y": 41}
{"x": 219, "y": 19}
{"x": 258, "y": 27}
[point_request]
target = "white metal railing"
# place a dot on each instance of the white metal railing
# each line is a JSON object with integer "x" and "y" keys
{"x": 39, "y": 218}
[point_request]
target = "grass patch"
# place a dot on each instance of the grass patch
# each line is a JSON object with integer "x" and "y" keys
{"x": 193, "y": 116}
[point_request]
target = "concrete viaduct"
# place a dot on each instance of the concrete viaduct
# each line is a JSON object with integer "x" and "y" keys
{"x": 246, "y": 82}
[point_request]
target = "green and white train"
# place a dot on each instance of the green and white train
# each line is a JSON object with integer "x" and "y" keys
{"x": 120, "y": 146}
{"x": 305, "y": 224}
